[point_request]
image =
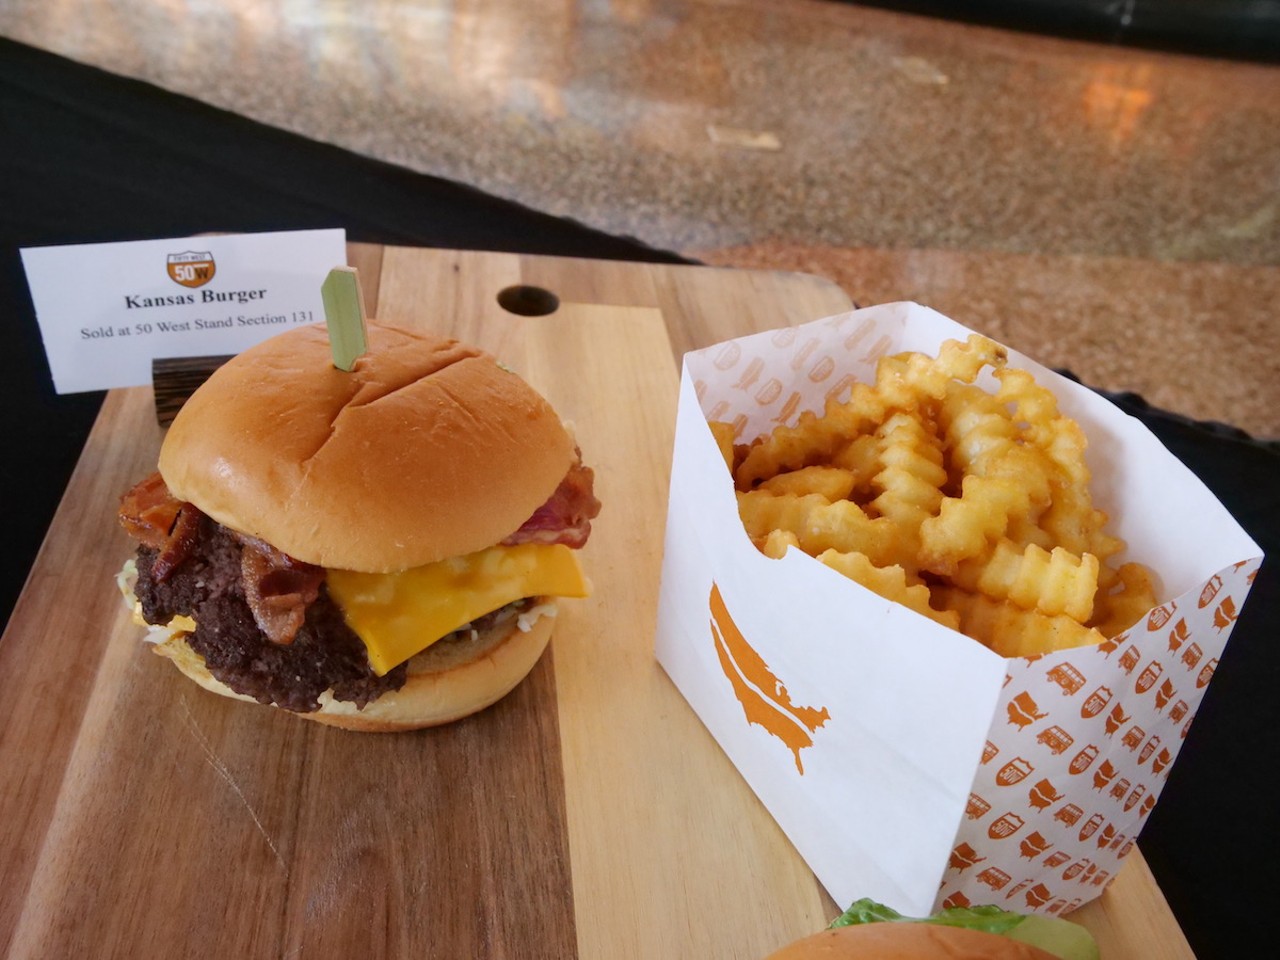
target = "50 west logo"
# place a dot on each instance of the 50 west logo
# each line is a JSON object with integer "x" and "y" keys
{"x": 191, "y": 268}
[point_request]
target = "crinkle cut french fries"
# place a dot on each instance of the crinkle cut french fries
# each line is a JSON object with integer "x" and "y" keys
{"x": 971, "y": 507}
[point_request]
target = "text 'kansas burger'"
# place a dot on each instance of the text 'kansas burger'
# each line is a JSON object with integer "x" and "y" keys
{"x": 378, "y": 549}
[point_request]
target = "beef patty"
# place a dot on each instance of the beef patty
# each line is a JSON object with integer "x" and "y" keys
{"x": 207, "y": 586}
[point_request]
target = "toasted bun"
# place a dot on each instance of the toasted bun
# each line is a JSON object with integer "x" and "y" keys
{"x": 427, "y": 449}
{"x": 907, "y": 941}
{"x": 446, "y": 682}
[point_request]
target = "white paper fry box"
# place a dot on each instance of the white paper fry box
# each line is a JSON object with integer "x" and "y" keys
{"x": 905, "y": 761}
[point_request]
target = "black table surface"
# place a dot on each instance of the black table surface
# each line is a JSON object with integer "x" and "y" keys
{"x": 91, "y": 157}
{"x": 1239, "y": 29}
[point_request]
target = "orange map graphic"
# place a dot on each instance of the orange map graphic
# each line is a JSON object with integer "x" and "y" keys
{"x": 764, "y": 699}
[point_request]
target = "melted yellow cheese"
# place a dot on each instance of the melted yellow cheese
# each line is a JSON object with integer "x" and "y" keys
{"x": 398, "y": 615}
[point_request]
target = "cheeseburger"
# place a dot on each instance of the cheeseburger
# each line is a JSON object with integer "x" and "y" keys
{"x": 379, "y": 549}
{"x": 872, "y": 931}
{"x": 908, "y": 941}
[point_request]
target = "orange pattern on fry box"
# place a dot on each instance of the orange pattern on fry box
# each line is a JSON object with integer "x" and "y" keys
{"x": 1093, "y": 734}
{"x": 941, "y": 772}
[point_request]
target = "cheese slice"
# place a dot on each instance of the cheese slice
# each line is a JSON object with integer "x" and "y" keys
{"x": 398, "y": 615}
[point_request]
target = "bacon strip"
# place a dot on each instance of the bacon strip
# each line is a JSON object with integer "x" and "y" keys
{"x": 182, "y": 538}
{"x": 148, "y": 511}
{"x": 565, "y": 517}
{"x": 278, "y": 589}
{"x": 152, "y": 515}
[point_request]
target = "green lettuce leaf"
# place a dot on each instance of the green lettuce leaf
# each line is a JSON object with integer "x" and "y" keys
{"x": 1062, "y": 938}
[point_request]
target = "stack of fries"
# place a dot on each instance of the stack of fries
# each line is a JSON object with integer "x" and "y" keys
{"x": 969, "y": 506}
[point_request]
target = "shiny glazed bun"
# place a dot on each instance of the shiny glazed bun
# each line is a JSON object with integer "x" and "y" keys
{"x": 907, "y": 941}
{"x": 345, "y": 470}
{"x": 447, "y": 681}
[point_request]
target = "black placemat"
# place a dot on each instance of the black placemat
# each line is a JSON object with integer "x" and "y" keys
{"x": 1210, "y": 839}
{"x": 1238, "y": 29}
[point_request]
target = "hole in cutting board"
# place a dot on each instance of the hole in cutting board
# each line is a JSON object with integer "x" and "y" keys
{"x": 528, "y": 301}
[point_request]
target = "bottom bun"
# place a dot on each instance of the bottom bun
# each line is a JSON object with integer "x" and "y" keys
{"x": 908, "y": 941}
{"x": 446, "y": 682}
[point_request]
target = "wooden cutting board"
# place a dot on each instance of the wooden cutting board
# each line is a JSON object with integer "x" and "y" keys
{"x": 588, "y": 815}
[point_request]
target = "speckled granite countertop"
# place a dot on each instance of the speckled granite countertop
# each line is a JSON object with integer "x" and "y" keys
{"x": 1113, "y": 211}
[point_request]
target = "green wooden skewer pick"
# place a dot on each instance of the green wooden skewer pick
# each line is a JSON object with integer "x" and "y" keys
{"x": 344, "y": 315}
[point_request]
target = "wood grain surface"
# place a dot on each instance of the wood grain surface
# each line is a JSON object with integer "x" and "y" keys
{"x": 586, "y": 815}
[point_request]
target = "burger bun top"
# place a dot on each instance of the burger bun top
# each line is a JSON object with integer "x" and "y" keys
{"x": 907, "y": 941}
{"x": 427, "y": 449}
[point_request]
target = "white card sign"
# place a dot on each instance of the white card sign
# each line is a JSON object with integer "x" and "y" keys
{"x": 106, "y": 310}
